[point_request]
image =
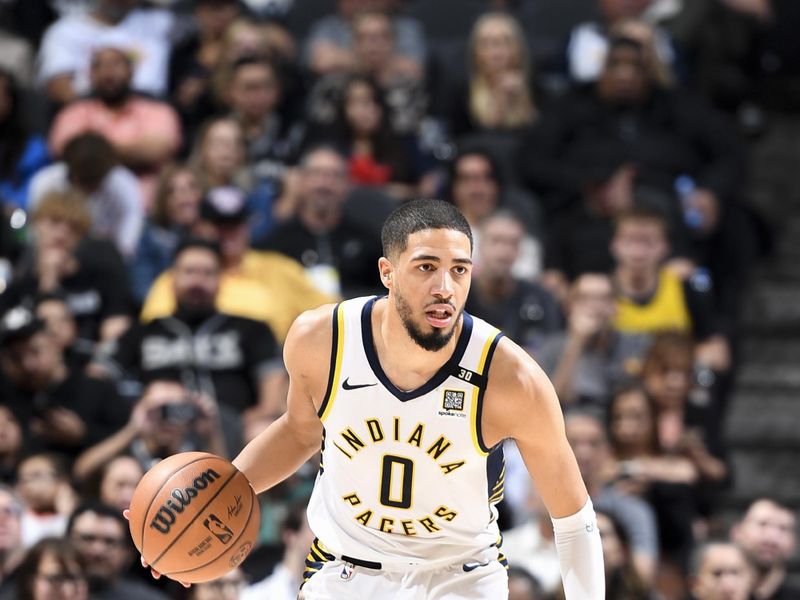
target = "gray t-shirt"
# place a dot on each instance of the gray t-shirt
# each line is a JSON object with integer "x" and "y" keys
{"x": 635, "y": 516}
{"x": 599, "y": 369}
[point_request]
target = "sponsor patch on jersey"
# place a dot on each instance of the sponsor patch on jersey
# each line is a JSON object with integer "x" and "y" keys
{"x": 453, "y": 400}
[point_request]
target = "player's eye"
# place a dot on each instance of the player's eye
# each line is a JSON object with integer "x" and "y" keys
{"x": 460, "y": 270}
{"x": 425, "y": 267}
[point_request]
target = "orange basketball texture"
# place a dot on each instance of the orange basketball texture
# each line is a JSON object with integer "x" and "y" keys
{"x": 194, "y": 517}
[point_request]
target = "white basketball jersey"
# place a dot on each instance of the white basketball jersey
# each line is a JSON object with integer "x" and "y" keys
{"x": 405, "y": 476}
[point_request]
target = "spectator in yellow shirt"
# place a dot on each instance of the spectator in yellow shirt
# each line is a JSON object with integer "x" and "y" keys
{"x": 266, "y": 286}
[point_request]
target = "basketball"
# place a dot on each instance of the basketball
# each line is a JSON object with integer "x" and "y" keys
{"x": 194, "y": 517}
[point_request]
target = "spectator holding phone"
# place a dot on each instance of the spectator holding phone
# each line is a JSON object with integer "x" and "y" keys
{"x": 166, "y": 420}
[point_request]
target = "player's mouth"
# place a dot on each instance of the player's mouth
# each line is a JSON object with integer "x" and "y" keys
{"x": 439, "y": 315}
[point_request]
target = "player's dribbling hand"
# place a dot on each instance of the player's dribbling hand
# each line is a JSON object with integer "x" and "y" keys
{"x": 156, "y": 575}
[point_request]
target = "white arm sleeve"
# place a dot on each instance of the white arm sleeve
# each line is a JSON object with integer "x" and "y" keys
{"x": 580, "y": 554}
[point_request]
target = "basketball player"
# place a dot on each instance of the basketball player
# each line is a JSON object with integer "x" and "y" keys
{"x": 412, "y": 397}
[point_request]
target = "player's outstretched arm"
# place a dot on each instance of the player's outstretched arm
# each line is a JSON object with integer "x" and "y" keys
{"x": 521, "y": 404}
{"x": 284, "y": 446}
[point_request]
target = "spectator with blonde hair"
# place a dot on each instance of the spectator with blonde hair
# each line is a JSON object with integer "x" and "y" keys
{"x": 499, "y": 94}
{"x": 84, "y": 271}
{"x": 90, "y": 167}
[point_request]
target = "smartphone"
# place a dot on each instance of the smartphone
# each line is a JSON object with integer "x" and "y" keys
{"x": 179, "y": 413}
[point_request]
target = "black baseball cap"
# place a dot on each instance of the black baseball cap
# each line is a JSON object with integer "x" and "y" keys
{"x": 19, "y": 324}
{"x": 225, "y": 206}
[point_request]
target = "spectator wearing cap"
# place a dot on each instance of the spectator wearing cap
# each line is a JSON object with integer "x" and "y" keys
{"x": 265, "y": 286}
{"x": 112, "y": 191}
{"x": 88, "y": 274}
{"x": 65, "y": 411}
{"x": 339, "y": 255}
{"x": 232, "y": 359}
{"x": 66, "y": 51}
{"x": 145, "y": 133}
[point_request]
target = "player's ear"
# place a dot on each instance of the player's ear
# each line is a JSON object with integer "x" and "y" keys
{"x": 385, "y": 269}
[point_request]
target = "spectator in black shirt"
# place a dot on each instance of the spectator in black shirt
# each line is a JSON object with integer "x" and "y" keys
{"x": 93, "y": 285}
{"x": 664, "y": 133}
{"x": 339, "y": 256}
{"x": 193, "y": 61}
{"x": 524, "y": 310}
{"x": 65, "y": 410}
{"x": 231, "y": 359}
{"x": 678, "y": 145}
{"x": 54, "y": 311}
{"x": 767, "y": 535}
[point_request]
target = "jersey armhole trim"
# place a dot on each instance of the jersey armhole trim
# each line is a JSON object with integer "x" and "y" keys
{"x": 337, "y": 350}
{"x": 483, "y": 369}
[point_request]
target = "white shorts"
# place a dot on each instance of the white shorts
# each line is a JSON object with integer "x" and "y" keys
{"x": 482, "y": 577}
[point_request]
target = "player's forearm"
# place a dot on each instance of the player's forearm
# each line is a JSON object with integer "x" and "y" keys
{"x": 274, "y": 454}
{"x": 580, "y": 555}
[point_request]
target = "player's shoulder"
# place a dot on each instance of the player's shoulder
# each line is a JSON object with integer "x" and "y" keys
{"x": 310, "y": 337}
{"x": 513, "y": 368}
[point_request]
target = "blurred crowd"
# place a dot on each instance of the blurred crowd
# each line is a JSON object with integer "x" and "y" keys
{"x": 180, "y": 179}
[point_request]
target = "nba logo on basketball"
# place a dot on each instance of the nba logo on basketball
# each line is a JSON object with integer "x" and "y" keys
{"x": 453, "y": 400}
{"x": 222, "y": 532}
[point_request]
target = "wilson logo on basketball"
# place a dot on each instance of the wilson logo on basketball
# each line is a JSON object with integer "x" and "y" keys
{"x": 181, "y": 498}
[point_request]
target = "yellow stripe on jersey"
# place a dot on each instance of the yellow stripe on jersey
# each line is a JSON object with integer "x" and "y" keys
{"x": 338, "y": 333}
{"x": 476, "y": 393}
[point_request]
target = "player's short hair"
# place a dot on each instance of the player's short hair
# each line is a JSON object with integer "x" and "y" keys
{"x": 418, "y": 215}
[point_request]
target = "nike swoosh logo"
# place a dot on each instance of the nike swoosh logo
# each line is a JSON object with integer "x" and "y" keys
{"x": 355, "y": 386}
{"x": 472, "y": 566}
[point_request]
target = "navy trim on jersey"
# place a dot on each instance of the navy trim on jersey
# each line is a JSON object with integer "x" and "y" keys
{"x": 332, "y": 371}
{"x": 496, "y": 474}
{"x": 482, "y": 391}
{"x": 438, "y": 378}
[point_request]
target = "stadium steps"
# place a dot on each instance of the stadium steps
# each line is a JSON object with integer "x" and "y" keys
{"x": 763, "y": 418}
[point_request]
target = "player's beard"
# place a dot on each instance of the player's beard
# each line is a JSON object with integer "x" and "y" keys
{"x": 432, "y": 341}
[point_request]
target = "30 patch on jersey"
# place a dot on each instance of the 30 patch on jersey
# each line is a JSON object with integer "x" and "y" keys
{"x": 453, "y": 400}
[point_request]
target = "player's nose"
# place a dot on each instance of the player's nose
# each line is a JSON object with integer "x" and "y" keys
{"x": 443, "y": 286}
